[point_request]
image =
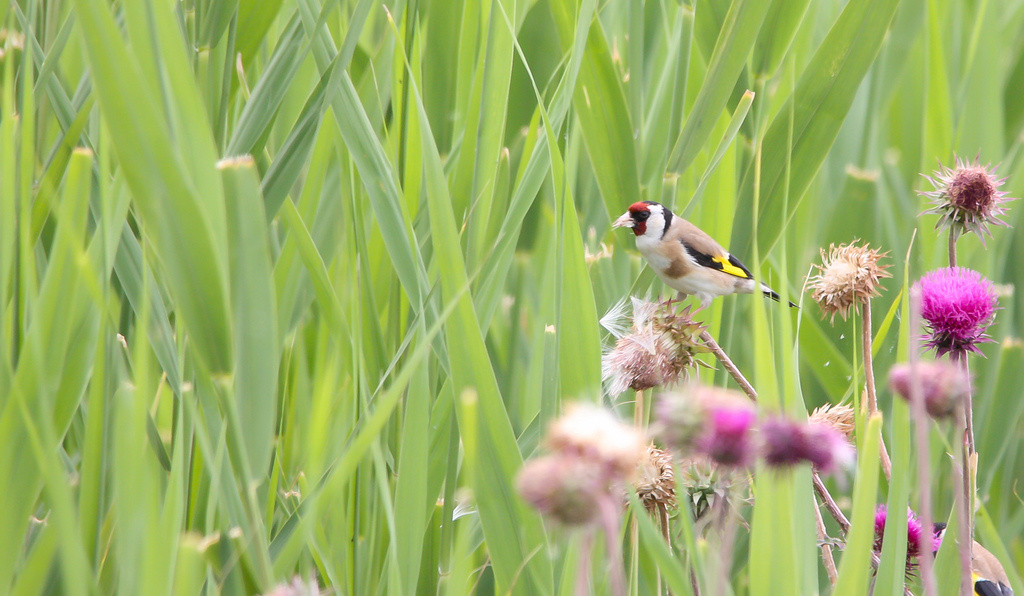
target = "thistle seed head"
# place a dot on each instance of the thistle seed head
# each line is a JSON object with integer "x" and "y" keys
{"x": 967, "y": 198}
{"x": 657, "y": 351}
{"x": 849, "y": 275}
{"x": 655, "y": 482}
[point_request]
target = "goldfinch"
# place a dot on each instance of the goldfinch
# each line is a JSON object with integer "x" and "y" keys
{"x": 987, "y": 572}
{"x": 685, "y": 258}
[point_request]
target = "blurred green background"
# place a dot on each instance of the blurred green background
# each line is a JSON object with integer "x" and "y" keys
{"x": 218, "y": 372}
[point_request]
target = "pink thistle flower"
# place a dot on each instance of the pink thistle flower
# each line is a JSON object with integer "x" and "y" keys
{"x": 916, "y": 534}
{"x": 728, "y": 438}
{"x": 943, "y": 385}
{"x": 967, "y": 197}
{"x": 958, "y": 305}
{"x": 880, "y": 517}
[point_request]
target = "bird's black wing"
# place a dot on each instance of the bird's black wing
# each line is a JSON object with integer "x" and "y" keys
{"x": 724, "y": 263}
{"x": 985, "y": 587}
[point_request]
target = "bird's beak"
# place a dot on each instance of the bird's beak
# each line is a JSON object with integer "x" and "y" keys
{"x": 626, "y": 221}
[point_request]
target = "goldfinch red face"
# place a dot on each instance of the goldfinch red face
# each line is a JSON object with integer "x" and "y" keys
{"x": 646, "y": 219}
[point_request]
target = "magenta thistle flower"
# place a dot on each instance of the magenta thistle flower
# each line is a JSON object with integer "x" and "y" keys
{"x": 916, "y": 534}
{"x": 880, "y": 517}
{"x": 942, "y": 384}
{"x": 958, "y": 305}
{"x": 727, "y": 440}
{"x": 967, "y": 197}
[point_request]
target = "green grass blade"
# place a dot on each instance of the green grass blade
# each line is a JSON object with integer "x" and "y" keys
{"x": 737, "y": 37}
{"x": 180, "y": 221}
{"x": 255, "y": 311}
{"x": 600, "y": 105}
{"x": 855, "y": 567}
{"x": 822, "y": 98}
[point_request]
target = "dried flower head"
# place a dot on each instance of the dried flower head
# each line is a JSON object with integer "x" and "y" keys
{"x": 943, "y": 385}
{"x": 839, "y": 417}
{"x": 848, "y": 275}
{"x": 967, "y": 198}
{"x": 563, "y": 487}
{"x": 728, "y": 438}
{"x": 916, "y": 535}
{"x": 958, "y": 305}
{"x": 595, "y": 434}
{"x": 658, "y": 350}
{"x": 655, "y": 482}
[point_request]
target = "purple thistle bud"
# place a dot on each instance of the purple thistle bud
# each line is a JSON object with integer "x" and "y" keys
{"x": 595, "y": 434}
{"x": 827, "y": 448}
{"x": 784, "y": 444}
{"x": 727, "y": 439}
{"x": 787, "y": 442}
{"x": 563, "y": 487}
{"x": 681, "y": 416}
{"x": 958, "y": 304}
{"x": 967, "y": 197}
{"x": 943, "y": 385}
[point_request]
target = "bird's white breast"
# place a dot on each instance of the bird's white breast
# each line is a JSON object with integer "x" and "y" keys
{"x": 661, "y": 263}
{"x": 647, "y": 247}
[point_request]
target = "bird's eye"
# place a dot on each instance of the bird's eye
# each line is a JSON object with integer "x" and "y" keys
{"x": 641, "y": 215}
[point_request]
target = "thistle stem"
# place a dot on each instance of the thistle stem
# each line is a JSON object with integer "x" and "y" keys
{"x": 826, "y": 548}
{"x": 964, "y": 530}
{"x": 869, "y": 377}
{"x": 969, "y": 403}
{"x": 921, "y": 426}
{"x": 663, "y": 522}
{"x": 610, "y": 520}
{"x": 830, "y": 503}
{"x": 952, "y": 246}
{"x": 869, "y": 369}
{"x": 638, "y": 411}
{"x": 583, "y": 567}
{"x": 969, "y": 455}
{"x": 729, "y": 366}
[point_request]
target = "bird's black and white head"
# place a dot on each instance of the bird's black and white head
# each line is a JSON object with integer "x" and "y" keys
{"x": 647, "y": 218}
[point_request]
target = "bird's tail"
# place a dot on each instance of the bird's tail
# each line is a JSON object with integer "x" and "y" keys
{"x": 774, "y": 295}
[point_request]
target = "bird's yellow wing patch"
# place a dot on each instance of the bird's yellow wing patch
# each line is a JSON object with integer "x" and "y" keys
{"x": 726, "y": 266}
